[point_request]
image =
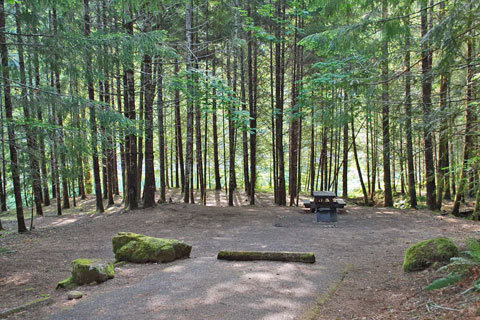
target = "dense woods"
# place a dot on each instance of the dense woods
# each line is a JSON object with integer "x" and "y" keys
{"x": 370, "y": 99}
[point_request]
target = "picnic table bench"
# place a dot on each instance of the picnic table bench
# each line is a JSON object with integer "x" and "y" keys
{"x": 325, "y": 204}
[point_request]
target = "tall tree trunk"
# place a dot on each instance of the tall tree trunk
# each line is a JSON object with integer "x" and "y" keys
{"x": 253, "y": 91}
{"x": 93, "y": 121}
{"x": 443, "y": 162}
{"x": 120, "y": 132}
{"x": 9, "y": 116}
{"x": 141, "y": 132}
{"x": 345, "y": 154}
{"x": 4, "y": 167}
{"x": 357, "y": 163}
{"x": 149, "y": 189}
{"x": 189, "y": 147}
{"x": 312, "y": 151}
{"x": 59, "y": 120}
{"x": 131, "y": 148}
{"x": 231, "y": 129}
{"x": 273, "y": 117}
{"x": 279, "y": 68}
{"x": 41, "y": 138}
{"x": 198, "y": 149}
{"x": 374, "y": 157}
{"x": 161, "y": 129}
{"x": 294, "y": 124}
{"x": 469, "y": 130}
{"x": 427, "y": 116}
{"x": 178, "y": 131}
{"x": 408, "y": 125}
{"x": 216, "y": 163}
{"x": 108, "y": 97}
{"x": 386, "y": 117}
{"x": 246, "y": 175}
{"x": 30, "y": 133}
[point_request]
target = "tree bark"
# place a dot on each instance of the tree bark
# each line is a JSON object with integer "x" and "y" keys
{"x": 198, "y": 149}
{"x": 189, "y": 147}
{"x": 149, "y": 188}
{"x": 178, "y": 131}
{"x": 427, "y": 105}
{"x": 443, "y": 162}
{"x": 253, "y": 89}
{"x": 281, "y": 188}
{"x": 294, "y": 124}
{"x": 132, "y": 169}
{"x": 93, "y": 121}
{"x": 4, "y": 170}
{"x": 357, "y": 163}
{"x": 30, "y": 133}
{"x": 305, "y": 257}
{"x": 216, "y": 163}
{"x": 231, "y": 137}
{"x": 161, "y": 129}
{"x": 469, "y": 131}
{"x": 11, "y": 130}
{"x": 408, "y": 125}
{"x": 345, "y": 155}
{"x": 386, "y": 117}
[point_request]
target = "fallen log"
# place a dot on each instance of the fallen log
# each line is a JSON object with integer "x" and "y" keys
{"x": 305, "y": 257}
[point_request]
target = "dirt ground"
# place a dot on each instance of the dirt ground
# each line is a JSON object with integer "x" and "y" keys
{"x": 358, "y": 273}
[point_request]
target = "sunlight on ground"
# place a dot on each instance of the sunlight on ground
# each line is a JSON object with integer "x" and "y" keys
{"x": 220, "y": 291}
{"x": 174, "y": 269}
{"x": 16, "y": 279}
{"x": 64, "y": 221}
{"x": 271, "y": 303}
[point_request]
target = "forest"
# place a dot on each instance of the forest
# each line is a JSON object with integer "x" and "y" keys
{"x": 375, "y": 100}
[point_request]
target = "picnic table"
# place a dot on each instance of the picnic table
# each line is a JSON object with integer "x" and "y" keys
{"x": 325, "y": 205}
{"x": 323, "y": 199}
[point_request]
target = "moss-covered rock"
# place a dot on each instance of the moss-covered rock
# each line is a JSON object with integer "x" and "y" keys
{"x": 139, "y": 248}
{"x": 424, "y": 253}
{"x": 86, "y": 271}
{"x": 67, "y": 283}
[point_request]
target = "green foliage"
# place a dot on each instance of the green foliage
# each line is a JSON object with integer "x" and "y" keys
{"x": 446, "y": 281}
{"x": 460, "y": 267}
{"x": 424, "y": 253}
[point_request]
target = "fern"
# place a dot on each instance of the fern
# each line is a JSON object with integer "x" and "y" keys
{"x": 473, "y": 249}
{"x": 459, "y": 267}
{"x": 446, "y": 281}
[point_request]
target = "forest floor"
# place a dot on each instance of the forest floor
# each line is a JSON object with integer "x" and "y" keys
{"x": 358, "y": 273}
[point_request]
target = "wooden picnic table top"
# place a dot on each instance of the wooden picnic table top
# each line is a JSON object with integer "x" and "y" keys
{"x": 324, "y": 194}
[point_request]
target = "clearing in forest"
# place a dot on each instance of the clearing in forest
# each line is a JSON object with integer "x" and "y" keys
{"x": 366, "y": 241}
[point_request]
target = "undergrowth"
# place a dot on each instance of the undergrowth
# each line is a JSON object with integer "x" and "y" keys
{"x": 460, "y": 268}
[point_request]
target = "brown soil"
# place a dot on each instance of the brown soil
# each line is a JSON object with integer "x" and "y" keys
{"x": 374, "y": 285}
{"x": 384, "y": 291}
{"x": 380, "y": 289}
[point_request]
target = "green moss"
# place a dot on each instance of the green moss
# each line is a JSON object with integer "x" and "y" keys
{"x": 122, "y": 238}
{"x": 67, "y": 283}
{"x": 423, "y": 254}
{"x": 305, "y": 257}
{"x": 82, "y": 262}
{"x": 85, "y": 271}
{"x": 139, "y": 248}
{"x": 310, "y": 256}
{"x": 110, "y": 271}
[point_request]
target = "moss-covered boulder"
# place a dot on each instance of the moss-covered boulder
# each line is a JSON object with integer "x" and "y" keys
{"x": 139, "y": 248}
{"x": 424, "y": 253}
{"x": 85, "y": 271}
{"x": 66, "y": 284}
